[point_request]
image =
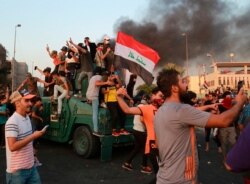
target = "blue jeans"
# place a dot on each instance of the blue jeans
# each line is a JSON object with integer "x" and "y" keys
{"x": 23, "y": 176}
{"x": 95, "y": 105}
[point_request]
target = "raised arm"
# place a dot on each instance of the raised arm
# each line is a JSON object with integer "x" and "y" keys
{"x": 39, "y": 70}
{"x": 48, "y": 50}
{"x": 21, "y": 85}
{"x": 226, "y": 118}
{"x": 78, "y": 47}
{"x": 121, "y": 92}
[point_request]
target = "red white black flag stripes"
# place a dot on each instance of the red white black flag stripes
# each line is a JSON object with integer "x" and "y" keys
{"x": 136, "y": 57}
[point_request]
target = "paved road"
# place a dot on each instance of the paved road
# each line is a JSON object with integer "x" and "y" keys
{"x": 62, "y": 166}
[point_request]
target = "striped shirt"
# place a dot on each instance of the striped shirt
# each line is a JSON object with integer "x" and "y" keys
{"x": 19, "y": 127}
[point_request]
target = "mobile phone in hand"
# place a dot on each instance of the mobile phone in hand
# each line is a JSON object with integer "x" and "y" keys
{"x": 45, "y": 128}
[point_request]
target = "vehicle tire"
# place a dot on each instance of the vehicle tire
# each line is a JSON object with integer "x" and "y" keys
{"x": 84, "y": 143}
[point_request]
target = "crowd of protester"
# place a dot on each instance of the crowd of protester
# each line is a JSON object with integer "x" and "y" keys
{"x": 164, "y": 120}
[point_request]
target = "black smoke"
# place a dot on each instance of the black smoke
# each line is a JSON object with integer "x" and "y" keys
{"x": 213, "y": 26}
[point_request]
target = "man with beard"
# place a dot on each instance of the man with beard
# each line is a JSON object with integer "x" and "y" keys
{"x": 174, "y": 128}
{"x": 147, "y": 112}
{"x": 19, "y": 138}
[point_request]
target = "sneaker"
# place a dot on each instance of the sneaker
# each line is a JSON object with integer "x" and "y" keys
{"x": 146, "y": 170}
{"x": 103, "y": 104}
{"x": 115, "y": 134}
{"x": 127, "y": 166}
{"x": 98, "y": 134}
{"x": 124, "y": 132}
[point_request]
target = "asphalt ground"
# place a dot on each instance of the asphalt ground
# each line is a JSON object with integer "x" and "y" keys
{"x": 61, "y": 165}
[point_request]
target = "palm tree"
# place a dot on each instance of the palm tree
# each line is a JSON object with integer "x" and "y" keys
{"x": 180, "y": 69}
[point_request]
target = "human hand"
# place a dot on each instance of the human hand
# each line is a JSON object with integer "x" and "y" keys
{"x": 70, "y": 40}
{"x": 121, "y": 91}
{"x": 38, "y": 134}
{"x": 241, "y": 97}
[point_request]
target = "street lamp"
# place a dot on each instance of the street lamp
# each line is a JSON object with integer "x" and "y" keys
{"x": 186, "y": 37}
{"x": 231, "y": 56}
{"x": 14, "y": 58}
{"x": 18, "y": 25}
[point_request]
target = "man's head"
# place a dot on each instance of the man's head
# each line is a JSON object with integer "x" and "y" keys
{"x": 86, "y": 40}
{"x": 28, "y": 75}
{"x": 53, "y": 54}
{"x": 170, "y": 82}
{"x": 64, "y": 49}
{"x": 100, "y": 46}
{"x": 47, "y": 71}
{"x": 157, "y": 98}
{"x": 22, "y": 100}
{"x": 38, "y": 101}
{"x": 106, "y": 40}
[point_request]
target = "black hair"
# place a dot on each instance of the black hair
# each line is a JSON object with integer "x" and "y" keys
{"x": 98, "y": 71}
{"x": 38, "y": 98}
{"x": 54, "y": 72}
{"x": 226, "y": 93}
{"x": 166, "y": 79}
{"x": 188, "y": 96}
{"x": 155, "y": 90}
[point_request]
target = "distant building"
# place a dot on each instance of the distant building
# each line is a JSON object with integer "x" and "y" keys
{"x": 17, "y": 73}
{"x": 224, "y": 75}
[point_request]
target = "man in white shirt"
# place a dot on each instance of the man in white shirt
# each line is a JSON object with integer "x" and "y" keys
{"x": 19, "y": 138}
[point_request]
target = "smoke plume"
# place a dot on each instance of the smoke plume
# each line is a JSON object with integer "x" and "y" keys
{"x": 218, "y": 27}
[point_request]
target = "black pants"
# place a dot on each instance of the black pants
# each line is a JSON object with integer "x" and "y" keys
{"x": 117, "y": 115}
{"x": 71, "y": 76}
{"x": 140, "y": 140}
{"x": 153, "y": 159}
{"x": 2, "y": 135}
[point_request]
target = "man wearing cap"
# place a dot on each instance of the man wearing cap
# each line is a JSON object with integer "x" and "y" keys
{"x": 19, "y": 137}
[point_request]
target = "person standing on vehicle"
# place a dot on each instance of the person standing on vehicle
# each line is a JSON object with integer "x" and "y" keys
{"x": 61, "y": 86}
{"x": 30, "y": 84}
{"x": 92, "y": 95}
{"x": 19, "y": 138}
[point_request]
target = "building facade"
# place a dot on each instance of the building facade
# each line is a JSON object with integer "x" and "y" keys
{"x": 17, "y": 73}
{"x": 224, "y": 75}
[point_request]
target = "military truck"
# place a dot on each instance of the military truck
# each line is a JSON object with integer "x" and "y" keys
{"x": 75, "y": 126}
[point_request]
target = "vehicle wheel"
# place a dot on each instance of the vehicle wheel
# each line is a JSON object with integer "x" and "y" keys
{"x": 84, "y": 143}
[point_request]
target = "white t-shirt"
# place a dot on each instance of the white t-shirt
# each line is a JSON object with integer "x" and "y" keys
{"x": 138, "y": 124}
{"x": 93, "y": 90}
{"x": 19, "y": 127}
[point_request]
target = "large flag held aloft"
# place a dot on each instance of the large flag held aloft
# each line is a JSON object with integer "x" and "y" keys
{"x": 139, "y": 59}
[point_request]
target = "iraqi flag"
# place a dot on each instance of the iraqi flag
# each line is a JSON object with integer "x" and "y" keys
{"x": 139, "y": 59}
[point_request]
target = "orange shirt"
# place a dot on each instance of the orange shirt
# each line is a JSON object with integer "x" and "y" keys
{"x": 56, "y": 61}
{"x": 148, "y": 113}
